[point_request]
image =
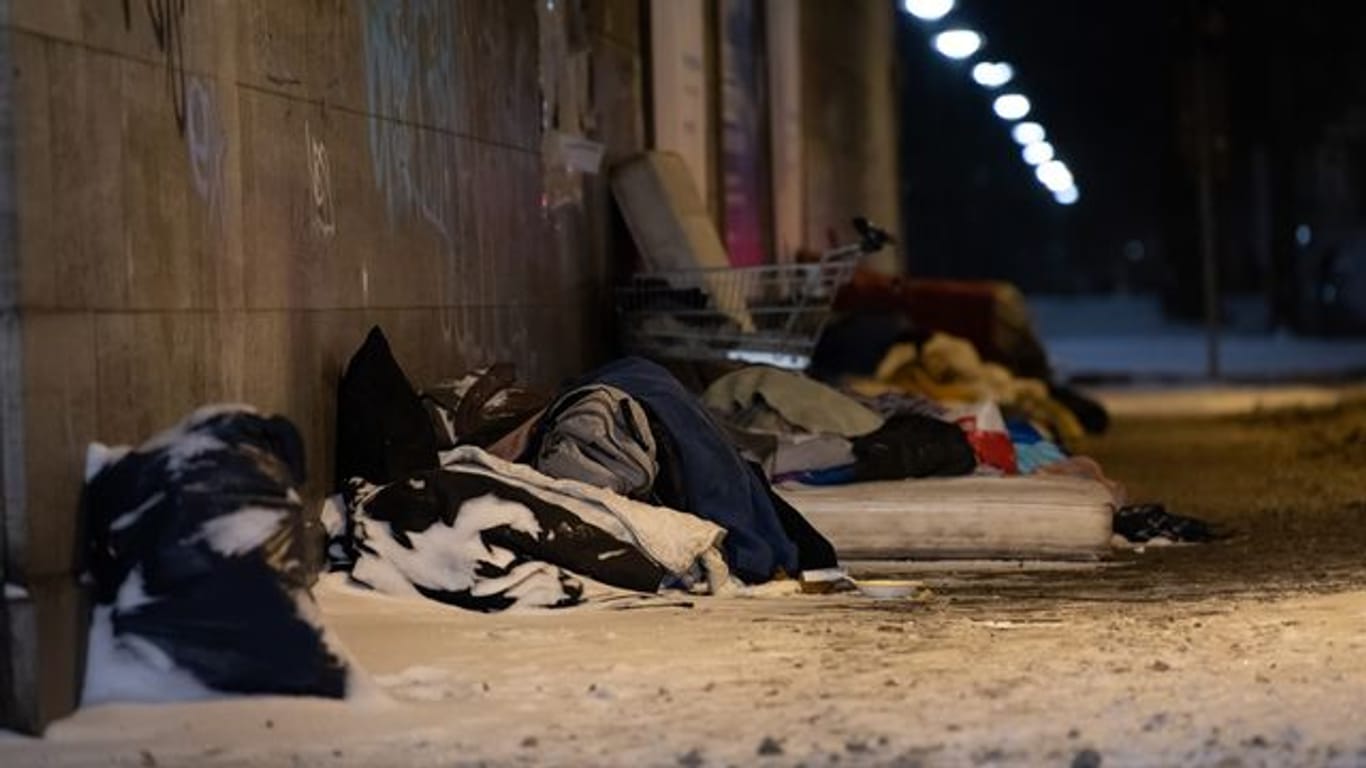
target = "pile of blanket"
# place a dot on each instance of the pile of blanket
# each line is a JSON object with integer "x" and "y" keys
{"x": 480, "y": 493}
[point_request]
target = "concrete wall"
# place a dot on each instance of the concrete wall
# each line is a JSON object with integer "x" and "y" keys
{"x": 215, "y": 204}
{"x": 850, "y": 118}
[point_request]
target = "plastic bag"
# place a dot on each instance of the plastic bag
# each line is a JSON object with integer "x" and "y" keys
{"x": 383, "y": 432}
{"x": 986, "y": 430}
{"x": 197, "y": 553}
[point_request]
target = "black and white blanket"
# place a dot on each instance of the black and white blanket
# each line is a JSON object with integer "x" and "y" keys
{"x": 197, "y": 556}
{"x": 486, "y": 534}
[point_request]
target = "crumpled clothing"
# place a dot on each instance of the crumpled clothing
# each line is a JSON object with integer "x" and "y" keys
{"x": 675, "y": 539}
{"x": 911, "y": 445}
{"x": 479, "y": 408}
{"x": 601, "y": 436}
{"x": 806, "y": 452}
{"x": 1033, "y": 457}
{"x": 774, "y": 400}
{"x": 779, "y": 454}
{"x": 702, "y": 473}
{"x": 1033, "y": 449}
{"x": 948, "y": 369}
{"x": 889, "y": 401}
{"x": 513, "y": 445}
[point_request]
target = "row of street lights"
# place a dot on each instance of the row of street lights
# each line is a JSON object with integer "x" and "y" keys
{"x": 962, "y": 44}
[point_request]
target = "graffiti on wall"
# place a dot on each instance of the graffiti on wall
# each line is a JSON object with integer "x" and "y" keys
{"x": 168, "y": 26}
{"x": 167, "y": 18}
{"x": 320, "y": 184}
{"x": 206, "y": 144}
{"x": 410, "y": 82}
{"x": 270, "y": 42}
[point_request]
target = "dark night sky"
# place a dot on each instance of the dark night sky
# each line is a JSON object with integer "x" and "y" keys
{"x": 1112, "y": 84}
{"x": 1095, "y": 73}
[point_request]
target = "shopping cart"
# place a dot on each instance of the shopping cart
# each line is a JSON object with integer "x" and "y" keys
{"x": 771, "y": 314}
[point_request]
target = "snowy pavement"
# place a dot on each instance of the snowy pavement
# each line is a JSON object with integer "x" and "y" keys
{"x": 1241, "y": 653}
{"x": 1200, "y": 400}
{"x": 1181, "y": 355}
{"x": 813, "y": 680}
{"x": 1128, "y": 337}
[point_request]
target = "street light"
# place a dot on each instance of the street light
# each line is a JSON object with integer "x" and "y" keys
{"x": 1054, "y": 175}
{"x": 929, "y": 10}
{"x": 1011, "y": 106}
{"x": 992, "y": 74}
{"x": 957, "y": 43}
{"x": 1038, "y": 153}
{"x": 1027, "y": 133}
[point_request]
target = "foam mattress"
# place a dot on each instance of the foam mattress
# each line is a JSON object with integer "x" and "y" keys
{"x": 961, "y": 517}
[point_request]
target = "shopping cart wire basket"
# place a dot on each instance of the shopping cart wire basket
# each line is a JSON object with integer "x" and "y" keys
{"x": 771, "y": 314}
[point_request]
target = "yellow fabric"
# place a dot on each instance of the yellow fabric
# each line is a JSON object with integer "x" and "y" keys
{"x": 949, "y": 370}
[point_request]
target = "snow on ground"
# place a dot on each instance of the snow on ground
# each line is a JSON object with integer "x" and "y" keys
{"x": 1181, "y": 354}
{"x": 813, "y": 680}
{"x": 1189, "y": 400}
{"x": 1164, "y": 364}
{"x": 1128, "y": 337}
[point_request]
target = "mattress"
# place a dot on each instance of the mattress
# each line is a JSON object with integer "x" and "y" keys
{"x": 963, "y": 517}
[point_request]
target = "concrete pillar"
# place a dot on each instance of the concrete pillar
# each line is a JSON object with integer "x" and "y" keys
{"x": 42, "y": 610}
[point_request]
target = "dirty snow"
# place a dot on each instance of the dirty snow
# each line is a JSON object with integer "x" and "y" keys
{"x": 132, "y": 669}
{"x": 819, "y": 680}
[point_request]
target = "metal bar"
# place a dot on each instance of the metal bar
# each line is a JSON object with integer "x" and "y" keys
{"x": 1208, "y": 250}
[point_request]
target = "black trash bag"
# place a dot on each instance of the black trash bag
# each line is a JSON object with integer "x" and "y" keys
{"x": 197, "y": 547}
{"x": 383, "y": 430}
{"x": 913, "y": 445}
